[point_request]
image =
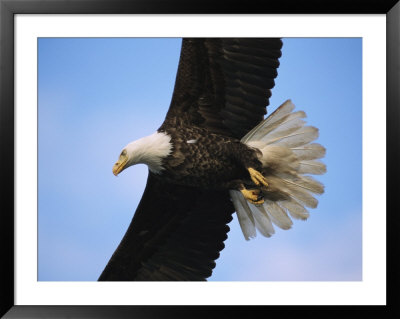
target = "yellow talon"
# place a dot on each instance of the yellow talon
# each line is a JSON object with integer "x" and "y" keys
{"x": 253, "y": 196}
{"x": 257, "y": 177}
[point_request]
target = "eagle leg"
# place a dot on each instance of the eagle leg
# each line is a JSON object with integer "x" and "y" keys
{"x": 257, "y": 177}
{"x": 252, "y": 195}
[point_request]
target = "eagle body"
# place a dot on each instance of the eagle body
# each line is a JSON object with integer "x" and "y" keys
{"x": 215, "y": 154}
{"x": 200, "y": 158}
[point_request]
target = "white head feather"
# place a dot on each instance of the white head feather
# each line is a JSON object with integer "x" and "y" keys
{"x": 149, "y": 150}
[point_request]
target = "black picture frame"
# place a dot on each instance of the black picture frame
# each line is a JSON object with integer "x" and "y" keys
{"x": 8, "y": 8}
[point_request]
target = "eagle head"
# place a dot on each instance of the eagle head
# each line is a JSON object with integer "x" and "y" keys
{"x": 149, "y": 150}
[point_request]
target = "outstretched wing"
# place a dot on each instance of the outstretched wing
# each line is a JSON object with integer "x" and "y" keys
{"x": 224, "y": 84}
{"x": 177, "y": 232}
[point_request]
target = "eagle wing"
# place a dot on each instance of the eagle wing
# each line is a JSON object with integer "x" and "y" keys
{"x": 175, "y": 234}
{"x": 224, "y": 85}
{"x": 178, "y": 232}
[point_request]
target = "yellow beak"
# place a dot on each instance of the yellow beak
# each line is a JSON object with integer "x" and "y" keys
{"x": 119, "y": 165}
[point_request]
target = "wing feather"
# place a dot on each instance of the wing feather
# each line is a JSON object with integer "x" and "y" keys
{"x": 224, "y": 84}
{"x": 175, "y": 234}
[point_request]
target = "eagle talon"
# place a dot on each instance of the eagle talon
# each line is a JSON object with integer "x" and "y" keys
{"x": 257, "y": 203}
{"x": 254, "y": 196}
{"x": 257, "y": 177}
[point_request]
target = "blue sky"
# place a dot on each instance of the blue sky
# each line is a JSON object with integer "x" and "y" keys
{"x": 98, "y": 94}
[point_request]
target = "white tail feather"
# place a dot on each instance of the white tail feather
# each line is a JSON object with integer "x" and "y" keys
{"x": 287, "y": 123}
{"x": 244, "y": 214}
{"x": 278, "y": 214}
{"x": 301, "y": 194}
{"x": 308, "y": 152}
{"x": 302, "y": 136}
{"x": 307, "y": 183}
{"x": 312, "y": 167}
{"x": 296, "y": 210}
{"x": 279, "y": 113}
{"x": 263, "y": 220}
{"x": 284, "y": 141}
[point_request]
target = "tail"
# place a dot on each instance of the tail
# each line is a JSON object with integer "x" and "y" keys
{"x": 287, "y": 157}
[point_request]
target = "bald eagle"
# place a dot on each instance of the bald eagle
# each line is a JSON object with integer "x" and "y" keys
{"x": 213, "y": 155}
